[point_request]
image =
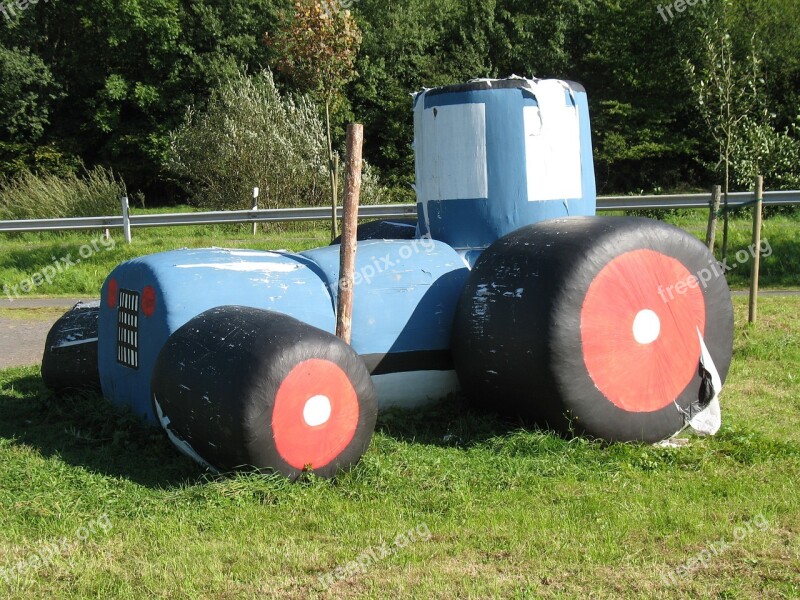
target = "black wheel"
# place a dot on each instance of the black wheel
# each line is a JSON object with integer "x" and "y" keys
{"x": 595, "y": 325}
{"x": 388, "y": 229}
{"x": 240, "y": 388}
{"x": 70, "y": 353}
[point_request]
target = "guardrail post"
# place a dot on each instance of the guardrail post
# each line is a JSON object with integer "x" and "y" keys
{"x": 126, "y": 218}
{"x": 255, "y": 207}
{"x": 759, "y": 191}
{"x": 713, "y": 213}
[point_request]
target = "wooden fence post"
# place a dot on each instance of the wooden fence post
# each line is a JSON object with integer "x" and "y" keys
{"x": 757, "y": 210}
{"x": 713, "y": 214}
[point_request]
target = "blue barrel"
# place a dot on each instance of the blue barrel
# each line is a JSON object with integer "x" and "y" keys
{"x": 495, "y": 155}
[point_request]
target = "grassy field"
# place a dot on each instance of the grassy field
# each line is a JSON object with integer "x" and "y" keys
{"x": 462, "y": 505}
{"x": 23, "y": 256}
{"x": 447, "y": 503}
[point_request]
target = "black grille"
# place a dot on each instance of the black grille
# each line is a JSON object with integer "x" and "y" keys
{"x": 128, "y": 329}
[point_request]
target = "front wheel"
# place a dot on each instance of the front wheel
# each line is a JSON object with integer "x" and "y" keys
{"x": 239, "y": 388}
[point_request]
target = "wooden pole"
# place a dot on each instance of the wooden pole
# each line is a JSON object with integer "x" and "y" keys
{"x": 713, "y": 213}
{"x": 347, "y": 251}
{"x": 757, "y": 210}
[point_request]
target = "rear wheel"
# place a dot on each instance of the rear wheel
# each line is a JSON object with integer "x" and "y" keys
{"x": 70, "y": 353}
{"x": 242, "y": 388}
{"x": 595, "y": 325}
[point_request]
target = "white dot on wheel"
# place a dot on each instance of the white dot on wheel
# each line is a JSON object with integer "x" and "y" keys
{"x": 317, "y": 411}
{"x": 646, "y": 327}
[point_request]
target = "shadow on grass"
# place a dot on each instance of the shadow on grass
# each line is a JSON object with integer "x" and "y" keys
{"x": 454, "y": 424}
{"x": 84, "y": 430}
{"x": 449, "y": 423}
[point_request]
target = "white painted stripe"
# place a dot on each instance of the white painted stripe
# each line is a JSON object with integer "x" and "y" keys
{"x": 180, "y": 444}
{"x": 552, "y": 144}
{"x": 414, "y": 389}
{"x": 247, "y": 267}
{"x": 75, "y": 343}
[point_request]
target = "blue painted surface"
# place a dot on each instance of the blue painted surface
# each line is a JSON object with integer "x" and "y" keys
{"x": 475, "y": 223}
{"x": 406, "y": 293}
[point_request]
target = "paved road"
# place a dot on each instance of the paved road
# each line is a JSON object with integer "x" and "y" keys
{"x": 22, "y": 341}
{"x": 64, "y": 303}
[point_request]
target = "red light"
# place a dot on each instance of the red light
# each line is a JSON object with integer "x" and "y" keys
{"x": 112, "y": 293}
{"x": 148, "y": 301}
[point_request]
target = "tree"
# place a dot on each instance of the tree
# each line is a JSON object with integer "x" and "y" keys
{"x": 250, "y": 135}
{"x": 129, "y": 69}
{"x": 727, "y": 93}
{"x": 28, "y": 93}
{"x": 645, "y": 132}
{"x": 317, "y": 47}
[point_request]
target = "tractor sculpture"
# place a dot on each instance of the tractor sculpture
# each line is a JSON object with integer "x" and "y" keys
{"x": 507, "y": 288}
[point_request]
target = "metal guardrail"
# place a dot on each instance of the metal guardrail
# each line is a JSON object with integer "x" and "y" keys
{"x": 612, "y": 203}
{"x": 384, "y": 211}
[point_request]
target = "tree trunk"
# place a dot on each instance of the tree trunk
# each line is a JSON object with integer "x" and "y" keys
{"x": 333, "y": 174}
{"x": 725, "y": 205}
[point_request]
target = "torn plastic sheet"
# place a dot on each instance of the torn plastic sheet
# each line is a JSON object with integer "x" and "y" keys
{"x": 704, "y": 417}
{"x": 180, "y": 443}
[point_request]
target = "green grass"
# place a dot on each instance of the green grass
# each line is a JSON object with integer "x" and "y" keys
{"x": 780, "y": 235}
{"x": 511, "y": 513}
{"x": 23, "y": 255}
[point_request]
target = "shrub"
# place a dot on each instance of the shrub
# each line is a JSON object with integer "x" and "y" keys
{"x": 250, "y": 136}
{"x": 46, "y": 196}
{"x": 762, "y": 150}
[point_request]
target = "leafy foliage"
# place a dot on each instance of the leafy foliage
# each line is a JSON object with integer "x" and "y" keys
{"x": 251, "y": 136}
{"x": 317, "y": 47}
{"x": 762, "y": 150}
{"x": 108, "y": 81}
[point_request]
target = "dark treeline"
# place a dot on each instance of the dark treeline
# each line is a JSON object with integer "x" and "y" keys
{"x": 102, "y": 82}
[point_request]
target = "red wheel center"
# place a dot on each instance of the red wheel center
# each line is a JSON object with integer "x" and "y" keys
{"x": 639, "y": 324}
{"x": 315, "y": 414}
